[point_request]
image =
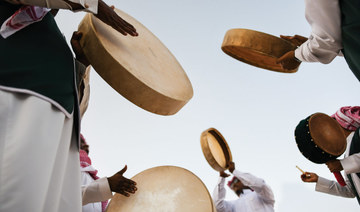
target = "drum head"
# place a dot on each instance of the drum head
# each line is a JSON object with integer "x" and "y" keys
{"x": 215, "y": 149}
{"x": 327, "y": 134}
{"x": 140, "y": 68}
{"x": 165, "y": 189}
{"x": 257, "y": 48}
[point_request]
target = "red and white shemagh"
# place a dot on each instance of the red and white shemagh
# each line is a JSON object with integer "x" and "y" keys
{"x": 348, "y": 117}
{"x": 23, "y": 17}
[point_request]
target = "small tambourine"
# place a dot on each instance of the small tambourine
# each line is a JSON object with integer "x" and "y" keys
{"x": 215, "y": 149}
{"x": 257, "y": 48}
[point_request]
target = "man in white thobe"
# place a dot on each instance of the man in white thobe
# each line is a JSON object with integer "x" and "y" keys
{"x": 39, "y": 158}
{"x": 254, "y": 194}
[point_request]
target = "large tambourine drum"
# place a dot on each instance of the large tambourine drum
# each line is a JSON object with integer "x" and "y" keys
{"x": 215, "y": 149}
{"x": 165, "y": 189}
{"x": 257, "y": 48}
{"x": 321, "y": 139}
{"x": 140, "y": 68}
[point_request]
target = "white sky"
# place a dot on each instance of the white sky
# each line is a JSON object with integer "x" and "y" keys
{"x": 256, "y": 110}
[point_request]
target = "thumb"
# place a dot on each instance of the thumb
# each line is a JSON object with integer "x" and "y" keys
{"x": 122, "y": 171}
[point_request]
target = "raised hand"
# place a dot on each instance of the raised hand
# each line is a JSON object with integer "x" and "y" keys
{"x": 119, "y": 184}
{"x": 109, "y": 16}
{"x": 75, "y": 44}
{"x": 224, "y": 174}
{"x": 231, "y": 166}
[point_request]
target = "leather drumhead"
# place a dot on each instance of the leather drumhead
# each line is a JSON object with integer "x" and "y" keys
{"x": 165, "y": 189}
{"x": 215, "y": 149}
{"x": 140, "y": 68}
{"x": 256, "y": 48}
{"x": 327, "y": 134}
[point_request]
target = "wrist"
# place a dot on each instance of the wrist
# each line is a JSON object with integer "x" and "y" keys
{"x": 297, "y": 60}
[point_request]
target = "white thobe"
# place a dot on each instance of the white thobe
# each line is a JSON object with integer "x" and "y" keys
{"x": 94, "y": 191}
{"x": 324, "y": 42}
{"x": 351, "y": 166}
{"x": 261, "y": 199}
{"x": 39, "y": 158}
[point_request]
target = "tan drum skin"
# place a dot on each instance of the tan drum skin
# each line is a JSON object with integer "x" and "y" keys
{"x": 215, "y": 149}
{"x": 165, "y": 189}
{"x": 257, "y": 48}
{"x": 327, "y": 134}
{"x": 140, "y": 68}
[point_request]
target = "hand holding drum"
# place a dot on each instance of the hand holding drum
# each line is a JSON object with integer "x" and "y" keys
{"x": 139, "y": 68}
{"x": 262, "y": 50}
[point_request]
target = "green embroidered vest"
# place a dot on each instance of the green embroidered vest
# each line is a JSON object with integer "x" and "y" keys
{"x": 37, "y": 58}
{"x": 350, "y": 31}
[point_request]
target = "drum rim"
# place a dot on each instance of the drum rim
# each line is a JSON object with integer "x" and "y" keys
{"x": 207, "y": 151}
{"x": 161, "y": 103}
{"x": 230, "y": 33}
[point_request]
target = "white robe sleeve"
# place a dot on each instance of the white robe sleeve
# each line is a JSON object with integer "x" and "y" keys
{"x": 96, "y": 191}
{"x": 219, "y": 198}
{"x": 257, "y": 184}
{"x": 334, "y": 188}
{"x": 89, "y": 5}
{"x": 324, "y": 43}
{"x": 351, "y": 164}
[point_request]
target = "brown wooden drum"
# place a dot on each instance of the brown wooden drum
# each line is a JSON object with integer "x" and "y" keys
{"x": 165, "y": 189}
{"x": 320, "y": 139}
{"x": 215, "y": 149}
{"x": 140, "y": 68}
{"x": 257, "y": 48}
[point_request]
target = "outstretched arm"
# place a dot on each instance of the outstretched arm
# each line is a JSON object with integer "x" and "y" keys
{"x": 327, "y": 186}
{"x": 219, "y": 195}
{"x": 101, "y": 189}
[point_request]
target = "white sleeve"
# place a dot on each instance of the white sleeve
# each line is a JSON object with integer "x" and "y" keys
{"x": 89, "y": 5}
{"x": 257, "y": 184}
{"x": 324, "y": 43}
{"x": 219, "y": 197}
{"x": 96, "y": 191}
{"x": 334, "y": 188}
{"x": 351, "y": 164}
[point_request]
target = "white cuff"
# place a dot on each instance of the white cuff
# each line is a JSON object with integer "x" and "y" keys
{"x": 104, "y": 188}
{"x": 351, "y": 164}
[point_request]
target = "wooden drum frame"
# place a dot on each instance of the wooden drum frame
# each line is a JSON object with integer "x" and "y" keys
{"x": 257, "y": 48}
{"x": 140, "y": 68}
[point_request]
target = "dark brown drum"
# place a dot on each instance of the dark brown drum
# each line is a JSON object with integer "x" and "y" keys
{"x": 215, "y": 149}
{"x": 320, "y": 139}
{"x": 140, "y": 68}
{"x": 165, "y": 189}
{"x": 257, "y": 48}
